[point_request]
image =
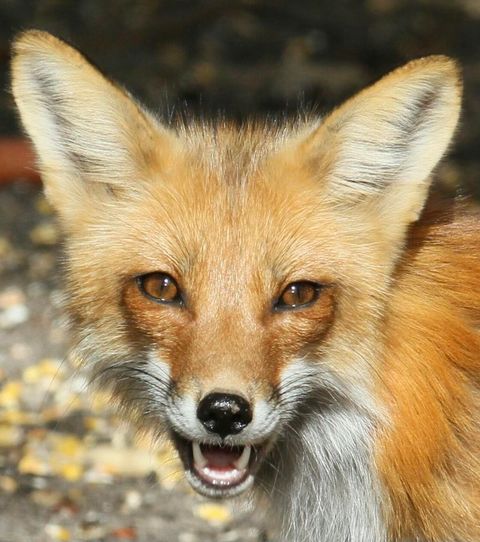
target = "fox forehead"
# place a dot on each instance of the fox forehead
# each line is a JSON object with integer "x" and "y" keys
{"x": 230, "y": 200}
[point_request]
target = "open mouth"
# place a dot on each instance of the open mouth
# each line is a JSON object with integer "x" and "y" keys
{"x": 219, "y": 470}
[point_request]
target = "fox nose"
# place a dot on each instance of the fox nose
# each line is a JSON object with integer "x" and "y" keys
{"x": 224, "y": 413}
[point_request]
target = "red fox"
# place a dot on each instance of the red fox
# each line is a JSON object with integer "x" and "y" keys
{"x": 284, "y": 301}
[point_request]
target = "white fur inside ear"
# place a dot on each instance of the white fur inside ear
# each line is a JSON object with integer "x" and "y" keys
{"x": 92, "y": 139}
{"x": 392, "y": 134}
{"x": 82, "y": 125}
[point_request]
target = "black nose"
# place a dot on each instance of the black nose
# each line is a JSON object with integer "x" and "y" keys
{"x": 224, "y": 413}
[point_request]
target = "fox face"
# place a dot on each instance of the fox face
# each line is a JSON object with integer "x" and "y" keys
{"x": 230, "y": 284}
{"x": 210, "y": 325}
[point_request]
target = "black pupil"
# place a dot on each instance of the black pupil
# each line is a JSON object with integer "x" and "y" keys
{"x": 164, "y": 284}
{"x": 295, "y": 290}
{"x": 166, "y": 289}
{"x": 160, "y": 286}
{"x": 298, "y": 294}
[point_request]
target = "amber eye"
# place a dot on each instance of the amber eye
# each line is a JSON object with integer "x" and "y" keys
{"x": 298, "y": 294}
{"x": 160, "y": 287}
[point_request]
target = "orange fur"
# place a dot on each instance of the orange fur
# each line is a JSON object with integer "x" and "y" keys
{"x": 430, "y": 380}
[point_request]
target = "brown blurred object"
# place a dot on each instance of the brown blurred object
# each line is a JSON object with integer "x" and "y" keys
{"x": 17, "y": 161}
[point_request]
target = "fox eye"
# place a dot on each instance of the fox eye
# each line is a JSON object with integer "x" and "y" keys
{"x": 160, "y": 287}
{"x": 298, "y": 294}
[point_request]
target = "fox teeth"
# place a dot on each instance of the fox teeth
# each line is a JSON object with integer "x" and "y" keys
{"x": 242, "y": 462}
{"x": 198, "y": 458}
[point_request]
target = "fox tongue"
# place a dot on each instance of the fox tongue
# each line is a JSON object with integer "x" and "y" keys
{"x": 221, "y": 466}
{"x": 219, "y": 458}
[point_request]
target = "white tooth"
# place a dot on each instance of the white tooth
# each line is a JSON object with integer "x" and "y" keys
{"x": 242, "y": 462}
{"x": 198, "y": 458}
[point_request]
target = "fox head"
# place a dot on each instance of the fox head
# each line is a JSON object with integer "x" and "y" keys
{"x": 223, "y": 279}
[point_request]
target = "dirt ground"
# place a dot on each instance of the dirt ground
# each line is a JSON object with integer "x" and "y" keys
{"x": 69, "y": 469}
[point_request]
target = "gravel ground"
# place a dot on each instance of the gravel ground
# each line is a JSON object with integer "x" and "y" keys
{"x": 69, "y": 470}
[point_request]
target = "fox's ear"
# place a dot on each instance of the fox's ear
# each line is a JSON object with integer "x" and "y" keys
{"x": 91, "y": 138}
{"x": 382, "y": 145}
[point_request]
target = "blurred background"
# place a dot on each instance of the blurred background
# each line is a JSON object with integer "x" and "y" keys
{"x": 69, "y": 470}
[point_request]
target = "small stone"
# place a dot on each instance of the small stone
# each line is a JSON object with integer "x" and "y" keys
{"x": 14, "y": 416}
{"x": 133, "y": 501}
{"x": 70, "y": 472}
{"x": 66, "y": 505}
{"x": 216, "y": 514}
{"x": 69, "y": 446}
{"x": 57, "y": 532}
{"x": 39, "y": 482}
{"x": 45, "y": 233}
{"x": 20, "y": 351}
{"x": 8, "y": 484}
{"x": 93, "y": 423}
{"x": 31, "y": 464}
{"x": 11, "y": 297}
{"x": 92, "y": 531}
{"x": 13, "y": 316}
{"x": 124, "y": 533}
{"x": 94, "y": 476}
{"x": 10, "y": 435}
{"x": 10, "y": 394}
{"x": 48, "y": 498}
{"x": 46, "y": 368}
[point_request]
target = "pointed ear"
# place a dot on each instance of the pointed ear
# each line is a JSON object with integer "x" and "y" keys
{"x": 381, "y": 146}
{"x": 91, "y": 138}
